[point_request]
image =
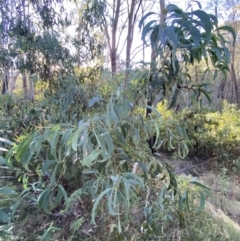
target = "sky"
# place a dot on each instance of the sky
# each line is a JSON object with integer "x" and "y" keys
{"x": 137, "y": 41}
{"x": 137, "y": 36}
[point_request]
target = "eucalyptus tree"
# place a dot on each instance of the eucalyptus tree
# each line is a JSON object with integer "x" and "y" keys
{"x": 4, "y": 41}
{"x": 233, "y": 19}
{"x": 88, "y": 40}
{"x": 117, "y": 19}
{"x": 33, "y": 43}
{"x": 228, "y": 13}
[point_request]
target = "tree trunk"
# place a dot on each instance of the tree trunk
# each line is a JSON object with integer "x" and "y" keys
{"x": 13, "y": 78}
{"x": 220, "y": 92}
{"x": 228, "y": 86}
{"x": 5, "y": 87}
{"x": 129, "y": 41}
{"x": 79, "y": 29}
{"x": 216, "y": 8}
{"x": 24, "y": 82}
{"x": 131, "y": 23}
{"x": 31, "y": 89}
{"x": 234, "y": 80}
{"x": 113, "y": 54}
{"x": 143, "y": 45}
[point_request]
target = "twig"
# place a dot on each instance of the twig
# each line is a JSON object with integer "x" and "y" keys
{"x": 189, "y": 168}
{"x": 7, "y": 177}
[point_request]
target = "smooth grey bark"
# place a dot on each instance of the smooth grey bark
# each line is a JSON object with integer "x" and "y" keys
{"x": 131, "y": 24}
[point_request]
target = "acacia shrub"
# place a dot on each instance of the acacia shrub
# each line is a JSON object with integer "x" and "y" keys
{"x": 208, "y": 132}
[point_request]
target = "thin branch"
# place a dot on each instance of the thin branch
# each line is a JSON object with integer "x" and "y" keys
{"x": 120, "y": 34}
{"x": 189, "y": 168}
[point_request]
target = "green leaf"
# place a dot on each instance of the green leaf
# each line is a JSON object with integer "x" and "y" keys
{"x": 25, "y": 181}
{"x": 202, "y": 203}
{"x": 229, "y": 29}
{"x": 182, "y": 149}
{"x": 119, "y": 226}
{"x": 56, "y": 127}
{"x": 144, "y": 169}
{"x": 120, "y": 137}
{"x": 112, "y": 204}
{"x": 104, "y": 153}
{"x": 196, "y": 35}
{"x": 64, "y": 143}
{"x": 53, "y": 143}
{"x": 76, "y": 225}
{"x": 40, "y": 203}
{"x": 61, "y": 193}
{"x": 53, "y": 176}
{"x": 144, "y": 17}
{"x": 8, "y": 191}
{"x": 173, "y": 182}
{"x": 13, "y": 208}
{"x": 185, "y": 196}
{"x": 23, "y": 148}
{"x": 162, "y": 197}
{"x": 75, "y": 138}
{"x": 94, "y": 185}
{"x": 175, "y": 93}
{"x": 3, "y": 161}
{"x": 183, "y": 201}
{"x": 207, "y": 95}
{"x": 96, "y": 203}
{"x": 134, "y": 178}
{"x": 30, "y": 196}
{"x": 173, "y": 35}
{"x": 46, "y": 202}
{"x": 200, "y": 185}
{"x": 37, "y": 145}
{"x": 109, "y": 141}
{"x": 126, "y": 207}
{"x": 173, "y": 8}
{"x": 94, "y": 100}
{"x": 88, "y": 160}
{"x": 205, "y": 22}
{"x": 4, "y": 217}
{"x": 127, "y": 186}
{"x": 147, "y": 28}
{"x": 46, "y": 165}
{"x": 157, "y": 171}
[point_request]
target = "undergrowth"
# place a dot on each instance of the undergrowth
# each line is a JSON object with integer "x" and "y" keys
{"x": 209, "y": 133}
{"x": 77, "y": 180}
{"x": 96, "y": 175}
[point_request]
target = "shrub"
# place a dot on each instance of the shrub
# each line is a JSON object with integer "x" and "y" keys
{"x": 215, "y": 133}
{"x": 18, "y": 116}
{"x": 205, "y": 131}
{"x": 103, "y": 163}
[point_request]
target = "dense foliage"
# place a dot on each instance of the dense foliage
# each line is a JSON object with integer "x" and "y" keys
{"x": 80, "y": 154}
